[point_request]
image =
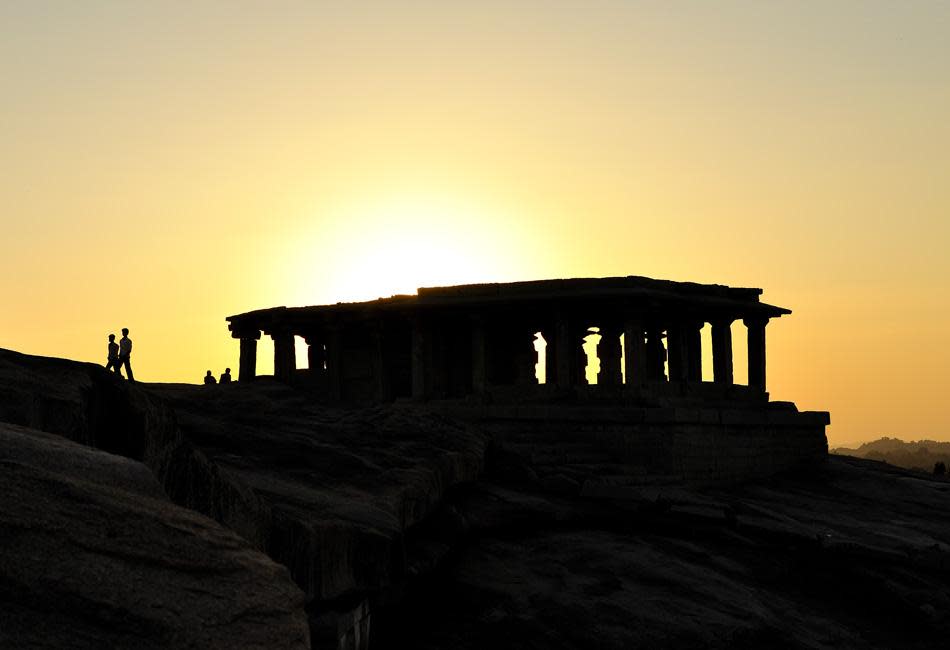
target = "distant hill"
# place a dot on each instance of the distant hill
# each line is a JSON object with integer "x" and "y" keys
{"x": 916, "y": 454}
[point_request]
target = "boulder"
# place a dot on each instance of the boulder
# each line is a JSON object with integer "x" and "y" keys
{"x": 93, "y": 555}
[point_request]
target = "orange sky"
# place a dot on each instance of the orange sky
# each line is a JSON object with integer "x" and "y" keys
{"x": 165, "y": 166}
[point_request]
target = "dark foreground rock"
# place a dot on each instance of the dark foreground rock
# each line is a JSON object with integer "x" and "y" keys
{"x": 93, "y": 555}
{"x": 329, "y": 493}
{"x": 407, "y": 529}
{"x": 851, "y": 554}
{"x": 334, "y": 491}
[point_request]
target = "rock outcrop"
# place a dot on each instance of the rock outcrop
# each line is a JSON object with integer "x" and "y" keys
{"x": 409, "y": 529}
{"x": 93, "y": 555}
{"x": 328, "y": 493}
{"x": 851, "y": 554}
{"x": 337, "y": 488}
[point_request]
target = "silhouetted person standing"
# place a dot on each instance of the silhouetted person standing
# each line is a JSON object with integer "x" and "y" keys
{"x": 113, "y": 360}
{"x": 125, "y": 352}
{"x": 209, "y": 379}
{"x": 226, "y": 377}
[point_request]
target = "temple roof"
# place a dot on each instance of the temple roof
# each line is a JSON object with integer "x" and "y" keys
{"x": 631, "y": 292}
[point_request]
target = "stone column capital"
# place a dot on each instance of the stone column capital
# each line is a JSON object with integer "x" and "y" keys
{"x": 281, "y": 333}
{"x": 244, "y": 331}
{"x": 756, "y": 321}
{"x": 611, "y": 328}
{"x": 696, "y": 324}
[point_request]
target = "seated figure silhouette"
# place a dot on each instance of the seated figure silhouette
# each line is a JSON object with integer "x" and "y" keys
{"x": 112, "y": 362}
{"x": 209, "y": 379}
{"x": 226, "y": 377}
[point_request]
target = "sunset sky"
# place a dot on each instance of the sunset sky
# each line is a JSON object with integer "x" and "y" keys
{"x": 167, "y": 164}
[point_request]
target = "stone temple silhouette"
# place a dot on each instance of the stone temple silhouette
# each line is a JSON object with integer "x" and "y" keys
{"x": 470, "y": 351}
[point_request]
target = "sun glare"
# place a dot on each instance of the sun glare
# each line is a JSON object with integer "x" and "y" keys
{"x": 396, "y": 246}
{"x": 400, "y": 262}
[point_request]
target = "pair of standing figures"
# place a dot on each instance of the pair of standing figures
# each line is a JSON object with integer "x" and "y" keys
{"x": 119, "y": 354}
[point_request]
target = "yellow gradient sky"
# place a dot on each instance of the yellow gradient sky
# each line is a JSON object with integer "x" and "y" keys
{"x": 167, "y": 164}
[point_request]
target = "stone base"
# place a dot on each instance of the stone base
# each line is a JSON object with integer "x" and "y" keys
{"x": 626, "y": 445}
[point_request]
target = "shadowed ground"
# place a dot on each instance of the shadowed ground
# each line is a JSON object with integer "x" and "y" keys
{"x": 413, "y": 530}
{"x": 853, "y": 555}
{"x": 338, "y": 488}
{"x": 93, "y": 555}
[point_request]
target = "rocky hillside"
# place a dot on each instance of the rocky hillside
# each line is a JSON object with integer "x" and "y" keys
{"x": 853, "y": 554}
{"x": 327, "y": 493}
{"x": 406, "y": 529}
{"x": 93, "y": 555}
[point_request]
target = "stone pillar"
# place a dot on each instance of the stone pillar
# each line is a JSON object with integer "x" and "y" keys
{"x": 335, "y": 362}
{"x": 550, "y": 356}
{"x": 313, "y": 355}
{"x": 694, "y": 351}
{"x": 247, "y": 368}
{"x": 526, "y": 358}
{"x": 676, "y": 339}
{"x": 565, "y": 354}
{"x": 285, "y": 360}
{"x": 380, "y": 368}
{"x": 437, "y": 360}
{"x": 756, "y": 327}
{"x": 635, "y": 352}
{"x": 479, "y": 356}
{"x": 420, "y": 369}
{"x": 722, "y": 352}
{"x": 609, "y": 352}
{"x": 580, "y": 357}
{"x": 316, "y": 355}
{"x": 247, "y": 364}
{"x": 655, "y": 355}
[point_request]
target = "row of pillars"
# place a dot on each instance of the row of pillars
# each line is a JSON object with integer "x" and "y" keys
{"x": 322, "y": 352}
{"x": 644, "y": 355}
{"x": 285, "y": 355}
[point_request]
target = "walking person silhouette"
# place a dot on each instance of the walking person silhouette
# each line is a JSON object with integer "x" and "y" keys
{"x": 125, "y": 351}
{"x": 112, "y": 362}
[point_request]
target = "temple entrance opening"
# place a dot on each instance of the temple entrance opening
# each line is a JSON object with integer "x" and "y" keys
{"x": 740, "y": 356}
{"x": 265, "y": 356}
{"x": 623, "y": 359}
{"x": 541, "y": 351}
{"x": 705, "y": 335}
{"x": 592, "y": 361}
{"x": 665, "y": 355}
{"x": 301, "y": 353}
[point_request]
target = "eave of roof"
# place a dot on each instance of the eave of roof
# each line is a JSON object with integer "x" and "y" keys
{"x": 634, "y": 289}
